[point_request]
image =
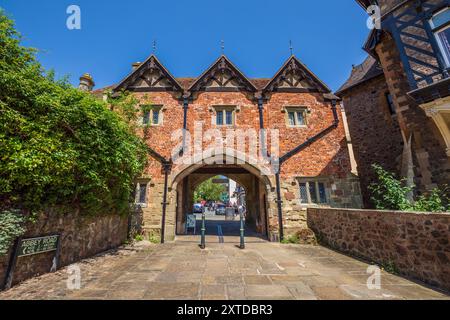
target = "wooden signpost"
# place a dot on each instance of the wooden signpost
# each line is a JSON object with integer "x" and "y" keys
{"x": 28, "y": 247}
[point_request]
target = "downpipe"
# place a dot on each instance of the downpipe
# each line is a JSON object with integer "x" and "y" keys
{"x": 293, "y": 152}
{"x": 166, "y": 167}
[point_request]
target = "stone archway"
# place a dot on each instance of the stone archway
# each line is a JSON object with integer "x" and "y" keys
{"x": 260, "y": 193}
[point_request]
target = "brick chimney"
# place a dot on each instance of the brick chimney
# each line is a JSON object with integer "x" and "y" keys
{"x": 86, "y": 82}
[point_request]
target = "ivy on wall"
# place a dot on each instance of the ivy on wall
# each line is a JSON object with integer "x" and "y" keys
{"x": 59, "y": 147}
{"x": 11, "y": 226}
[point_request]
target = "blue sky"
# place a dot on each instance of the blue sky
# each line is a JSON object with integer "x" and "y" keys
{"x": 327, "y": 35}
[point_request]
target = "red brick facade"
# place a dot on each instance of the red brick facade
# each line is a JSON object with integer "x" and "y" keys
{"x": 327, "y": 158}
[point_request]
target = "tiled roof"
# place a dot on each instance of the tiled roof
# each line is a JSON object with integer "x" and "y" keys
{"x": 369, "y": 69}
{"x": 259, "y": 83}
{"x": 98, "y": 93}
{"x": 185, "y": 82}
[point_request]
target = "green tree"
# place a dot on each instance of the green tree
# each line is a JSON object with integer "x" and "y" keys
{"x": 209, "y": 191}
{"x": 60, "y": 147}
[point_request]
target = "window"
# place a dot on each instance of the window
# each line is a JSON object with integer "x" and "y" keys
{"x": 225, "y": 116}
{"x": 440, "y": 23}
{"x": 146, "y": 119}
{"x": 152, "y": 115}
{"x": 313, "y": 192}
{"x": 155, "y": 116}
{"x": 296, "y": 117}
{"x": 141, "y": 197}
{"x": 390, "y": 103}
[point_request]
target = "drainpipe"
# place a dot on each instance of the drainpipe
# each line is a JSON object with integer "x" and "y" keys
{"x": 166, "y": 167}
{"x": 296, "y": 150}
{"x": 279, "y": 204}
{"x": 185, "y": 111}
{"x": 264, "y": 150}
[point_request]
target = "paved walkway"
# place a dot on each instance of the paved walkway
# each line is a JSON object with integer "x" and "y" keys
{"x": 181, "y": 270}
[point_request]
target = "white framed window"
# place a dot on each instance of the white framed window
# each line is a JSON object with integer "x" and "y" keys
{"x": 152, "y": 115}
{"x": 440, "y": 23}
{"x": 296, "y": 116}
{"x": 141, "y": 193}
{"x": 225, "y": 116}
{"x": 313, "y": 191}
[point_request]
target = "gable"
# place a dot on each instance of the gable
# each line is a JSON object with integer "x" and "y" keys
{"x": 149, "y": 76}
{"x": 222, "y": 76}
{"x": 294, "y": 76}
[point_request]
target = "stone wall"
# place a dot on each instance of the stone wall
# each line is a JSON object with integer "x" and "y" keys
{"x": 431, "y": 163}
{"x": 81, "y": 237}
{"x": 340, "y": 193}
{"x": 375, "y": 132}
{"x": 417, "y": 245}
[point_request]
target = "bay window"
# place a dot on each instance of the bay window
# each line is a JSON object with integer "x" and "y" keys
{"x": 440, "y": 23}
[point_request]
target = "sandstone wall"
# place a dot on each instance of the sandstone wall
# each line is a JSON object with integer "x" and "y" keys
{"x": 428, "y": 147}
{"x": 375, "y": 133}
{"x": 340, "y": 193}
{"x": 417, "y": 245}
{"x": 81, "y": 237}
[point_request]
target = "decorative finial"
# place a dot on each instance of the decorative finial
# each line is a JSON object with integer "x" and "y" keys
{"x": 291, "y": 48}
{"x": 154, "y": 46}
{"x": 222, "y": 46}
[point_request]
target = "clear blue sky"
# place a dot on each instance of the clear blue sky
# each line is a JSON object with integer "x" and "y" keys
{"x": 327, "y": 35}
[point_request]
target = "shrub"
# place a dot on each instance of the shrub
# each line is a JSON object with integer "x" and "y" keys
{"x": 59, "y": 147}
{"x": 291, "y": 239}
{"x": 391, "y": 194}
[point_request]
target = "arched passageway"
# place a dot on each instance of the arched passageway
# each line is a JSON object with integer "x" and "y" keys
{"x": 255, "y": 186}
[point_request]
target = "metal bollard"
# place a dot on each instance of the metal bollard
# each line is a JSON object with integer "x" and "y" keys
{"x": 203, "y": 230}
{"x": 242, "y": 244}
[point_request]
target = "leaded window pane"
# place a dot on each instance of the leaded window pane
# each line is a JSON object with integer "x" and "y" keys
{"x": 219, "y": 118}
{"x": 155, "y": 116}
{"x": 291, "y": 118}
{"x": 143, "y": 193}
{"x": 146, "y": 118}
{"x": 303, "y": 193}
{"x": 300, "y": 118}
{"x": 322, "y": 193}
{"x": 312, "y": 192}
{"x": 229, "y": 117}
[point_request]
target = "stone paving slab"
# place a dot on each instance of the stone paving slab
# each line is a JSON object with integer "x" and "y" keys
{"x": 182, "y": 271}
